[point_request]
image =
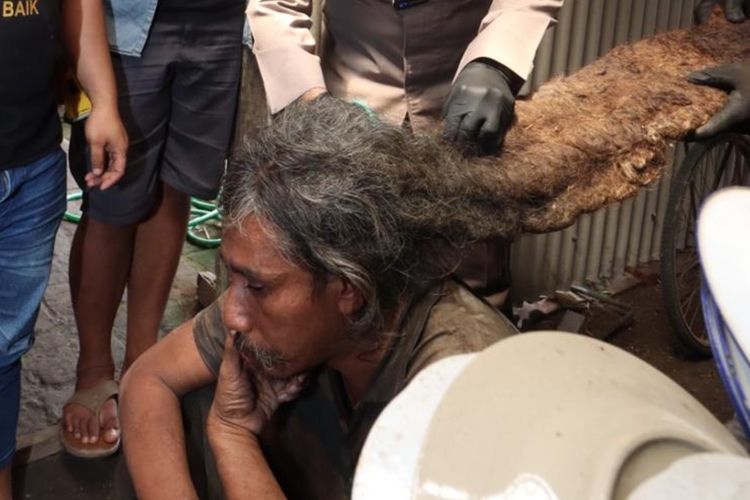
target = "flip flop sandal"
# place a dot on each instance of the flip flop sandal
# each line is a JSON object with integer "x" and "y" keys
{"x": 92, "y": 399}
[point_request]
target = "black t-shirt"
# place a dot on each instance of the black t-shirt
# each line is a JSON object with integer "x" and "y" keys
{"x": 29, "y": 52}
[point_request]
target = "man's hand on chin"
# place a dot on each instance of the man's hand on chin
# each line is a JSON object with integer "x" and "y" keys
{"x": 246, "y": 400}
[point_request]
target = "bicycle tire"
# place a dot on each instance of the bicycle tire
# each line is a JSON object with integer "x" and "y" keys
{"x": 680, "y": 269}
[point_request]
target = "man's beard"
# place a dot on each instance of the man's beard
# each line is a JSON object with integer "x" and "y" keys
{"x": 255, "y": 357}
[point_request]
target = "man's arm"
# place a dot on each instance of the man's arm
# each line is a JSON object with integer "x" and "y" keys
{"x": 85, "y": 40}
{"x": 735, "y": 11}
{"x": 480, "y": 106}
{"x": 734, "y": 79}
{"x": 284, "y": 48}
{"x": 153, "y": 436}
{"x": 510, "y": 33}
{"x": 243, "y": 404}
{"x": 241, "y": 465}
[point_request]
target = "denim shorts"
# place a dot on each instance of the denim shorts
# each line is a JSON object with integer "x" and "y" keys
{"x": 177, "y": 102}
{"x": 32, "y": 201}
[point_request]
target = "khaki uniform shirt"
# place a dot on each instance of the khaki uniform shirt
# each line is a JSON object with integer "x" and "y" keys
{"x": 312, "y": 443}
{"x": 400, "y": 62}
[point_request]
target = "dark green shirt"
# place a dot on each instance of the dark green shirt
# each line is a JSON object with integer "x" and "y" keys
{"x": 312, "y": 444}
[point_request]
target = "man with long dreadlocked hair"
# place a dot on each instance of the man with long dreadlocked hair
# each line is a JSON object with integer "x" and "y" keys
{"x": 340, "y": 293}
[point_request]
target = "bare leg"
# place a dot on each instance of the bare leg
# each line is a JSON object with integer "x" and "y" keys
{"x": 103, "y": 259}
{"x": 99, "y": 264}
{"x": 158, "y": 245}
{"x": 5, "y": 483}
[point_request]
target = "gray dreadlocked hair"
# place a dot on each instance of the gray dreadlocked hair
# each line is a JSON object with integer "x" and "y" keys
{"x": 387, "y": 210}
{"x": 329, "y": 181}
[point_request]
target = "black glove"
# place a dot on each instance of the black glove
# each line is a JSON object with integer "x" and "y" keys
{"x": 479, "y": 107}
{"x": 735, "y": 11}
{"x": 735, "y": 79}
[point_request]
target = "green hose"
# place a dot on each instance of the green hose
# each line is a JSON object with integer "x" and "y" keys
{"x": 70, "y": 216}
{"x": 200, "y": 213}
{"x": 203, "y": 211}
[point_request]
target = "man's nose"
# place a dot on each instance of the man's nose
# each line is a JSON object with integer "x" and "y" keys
{"x": 236, "y": 316}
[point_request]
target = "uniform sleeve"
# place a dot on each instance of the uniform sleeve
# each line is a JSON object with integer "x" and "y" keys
{"x": 284, "y": 48}
{"x": 511, "y": 32}
{"x": 209, "y": 333}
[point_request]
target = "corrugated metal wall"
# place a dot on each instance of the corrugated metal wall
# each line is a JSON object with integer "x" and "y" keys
{"x": 603, "y": 244}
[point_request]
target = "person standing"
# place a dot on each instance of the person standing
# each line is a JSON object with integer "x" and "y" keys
{"x": 32, "y": 166}
{"x": 454, "y": 65}
{"x": 732, "y": 78}
{"x": 409, "y": 60}
{"x": 177, "y": 67}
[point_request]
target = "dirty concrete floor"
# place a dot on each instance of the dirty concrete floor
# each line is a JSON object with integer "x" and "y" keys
{"x": 63, "y": 477}
{"x": 49, "y": 370}
{"x": 651, "y": 339}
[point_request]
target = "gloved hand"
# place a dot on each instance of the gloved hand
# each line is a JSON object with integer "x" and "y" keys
{"x": 735, "y": 11}
{"x": 479, "y": 107}
{"x": 735, "y": 79}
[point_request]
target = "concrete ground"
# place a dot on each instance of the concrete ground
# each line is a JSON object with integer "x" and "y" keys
{"x": 50, "y": 366}
{"x": 652, "y": 340}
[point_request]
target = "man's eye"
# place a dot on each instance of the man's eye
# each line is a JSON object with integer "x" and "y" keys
{"x": 238, "y": 279}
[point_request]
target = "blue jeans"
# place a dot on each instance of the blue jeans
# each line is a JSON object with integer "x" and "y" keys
{"x": 32, "y": 201}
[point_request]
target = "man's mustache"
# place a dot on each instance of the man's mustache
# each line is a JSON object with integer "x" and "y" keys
{"x": 254, "y": 356}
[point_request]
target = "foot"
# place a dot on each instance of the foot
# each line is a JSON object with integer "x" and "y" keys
{"x": 83, "y": 423}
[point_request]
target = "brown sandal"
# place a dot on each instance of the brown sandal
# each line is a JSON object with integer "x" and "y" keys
{"x": 92, "y": 399}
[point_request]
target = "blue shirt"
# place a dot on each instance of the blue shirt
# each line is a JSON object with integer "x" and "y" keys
{"x": 129, "y": 22}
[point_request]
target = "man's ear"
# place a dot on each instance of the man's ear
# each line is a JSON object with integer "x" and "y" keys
{"x": 350, "y": 298}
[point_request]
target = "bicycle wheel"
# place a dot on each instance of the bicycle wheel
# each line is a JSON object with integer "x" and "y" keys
{"x": 709, "y": 165}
